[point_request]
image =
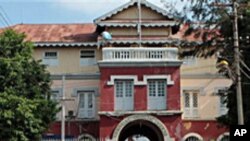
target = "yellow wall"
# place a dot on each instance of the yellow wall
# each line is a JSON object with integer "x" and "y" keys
{"x": 208, "y": 102}
{"x": 70, "y": 86}
{"x": 202, "y": 66}
{"x": 69, "y": 60}
{"x": 132, "y": 13}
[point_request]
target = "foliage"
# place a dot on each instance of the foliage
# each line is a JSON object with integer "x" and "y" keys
{"x": 25, "y": 110}
{"x": 211, "y": 21}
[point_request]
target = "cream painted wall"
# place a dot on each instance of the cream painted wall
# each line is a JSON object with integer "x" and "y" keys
{"x": 208, "y": 103}
{"x": 132, "y": 13}
{"x": 69, "y": 60}
{"x": 70, "y": 86}
{"x": 132, "y": 31}
{"x": 202, "y": 66}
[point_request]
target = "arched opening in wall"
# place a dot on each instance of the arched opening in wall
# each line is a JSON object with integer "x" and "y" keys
{"x": 141, "y": 130}
{"x": 192, "y": 137}
{"x": 223, "y": 137}
{"x": 86, "y": 137}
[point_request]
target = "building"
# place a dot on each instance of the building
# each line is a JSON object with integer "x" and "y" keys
{"x": 133, "y": 85}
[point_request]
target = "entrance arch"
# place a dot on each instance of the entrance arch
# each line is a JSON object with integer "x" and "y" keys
{"x": 132, "y": 125}
{"x": 86, "y": 137}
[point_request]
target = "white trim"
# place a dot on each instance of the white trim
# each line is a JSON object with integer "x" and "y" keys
{"x": 149, "y": 118}
{"x": 118, "y": 101}
{"x": 131, "y": 3}
{"x": 86, "y": 135}
{"x": 87, "y": 61}
{"x": 137, "y": 82}
{"x": 192, "y": 135}
{"x": 156, "y": 102}
{"x": 222, "y": 135}
{"x": 64, "y": 44}
{"x": 191, "y": 111}
{"x": 222, "y": 110}
{"x": 93, "y": 109}
{"x": 157, "y": 112}
{"x": 52, "y": 62}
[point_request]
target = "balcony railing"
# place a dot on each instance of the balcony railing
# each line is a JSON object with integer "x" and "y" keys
{"x": 140, "y": 54}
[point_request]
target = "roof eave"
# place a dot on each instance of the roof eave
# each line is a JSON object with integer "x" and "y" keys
{"x": 65, "y": 44}
{"x": 126, "y": 5}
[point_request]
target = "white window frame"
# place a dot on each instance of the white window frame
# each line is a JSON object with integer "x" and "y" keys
{"x": 87, "y": 61}
{"x": 58, "y": 96}
{"x": 222, "y": 107}
{"x": 189, "y": 60}
{"x": 93, "y": 109}
{"x": 57, "y": 99}
{"x": 86, "y": 135}
{"x": 50, "y": 61}
{"x": 159, "y": 99}
{"x": 143, "y": 82}
{"x": 199, "y": 137}
{"x": 191, "y": 111}
{"x": 120, "y": 104}
{"x": 222, "y": 136}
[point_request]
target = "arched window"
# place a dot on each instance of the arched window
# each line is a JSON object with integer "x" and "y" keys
{"x": 223, "y": 137}
{"x": 86, "y": 137}
{"x": 192, "y": 137}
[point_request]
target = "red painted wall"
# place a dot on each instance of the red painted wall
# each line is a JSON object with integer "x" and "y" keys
{"x": 177, "y": 128}
{"x": 108, "y": 125}
{"x": 207, "y": 129}
{"x": 140, "y": 92}
{"x": 76, "y": 128}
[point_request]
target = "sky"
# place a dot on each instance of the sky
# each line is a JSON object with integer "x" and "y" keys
{"x": 57, "y": 11}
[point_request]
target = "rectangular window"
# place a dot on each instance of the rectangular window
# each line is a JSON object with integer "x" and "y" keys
{"x": 50, "y": 58}
{"x": 222, "y": 93}
{"x": 86, "y": 104}
{"x": 50, "y": 55}
{"x": 190, "y": 103}
{"x": 157, "y": 94}
{"x": 189, "y": 60}
{"x": 87, "y": 57}
{"x": 56, "y": 95}
{"x": 124, "y": 99}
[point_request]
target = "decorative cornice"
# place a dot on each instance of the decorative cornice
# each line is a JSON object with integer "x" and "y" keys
{"x": 139, "y": 64}
{"x": 203, "y": 76}
{"x": 152, "y": 24}
{"x": 127, "y": 5}
{"x": 137, "y": 82}
{"x": 63, "y": 44}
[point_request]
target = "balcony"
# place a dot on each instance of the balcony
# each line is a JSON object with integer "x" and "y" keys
{"x": 140, "y": 56}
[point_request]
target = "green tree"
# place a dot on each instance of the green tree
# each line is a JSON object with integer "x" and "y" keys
{"x": 25, "y": 108}
{"x": 214, "y": 21}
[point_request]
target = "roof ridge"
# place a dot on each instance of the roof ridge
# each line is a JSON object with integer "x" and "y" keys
{"x": 131, "y": 3}
{"x": 51, "y": 24}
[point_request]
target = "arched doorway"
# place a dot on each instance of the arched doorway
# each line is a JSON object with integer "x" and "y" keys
{"x": 86, "y": 137}
{"x": 145, "y": 126}
{"x": 140, "y": 129}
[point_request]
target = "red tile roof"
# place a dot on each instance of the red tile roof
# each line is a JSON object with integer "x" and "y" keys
{"x": 63, "y": 33}
{"x": 192, "y": 37}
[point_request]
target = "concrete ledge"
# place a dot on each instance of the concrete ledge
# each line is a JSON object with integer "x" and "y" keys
{"x": 121, "y": 113}
{"x": 75, "y": 76}
{"x": 139, "y": 63}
